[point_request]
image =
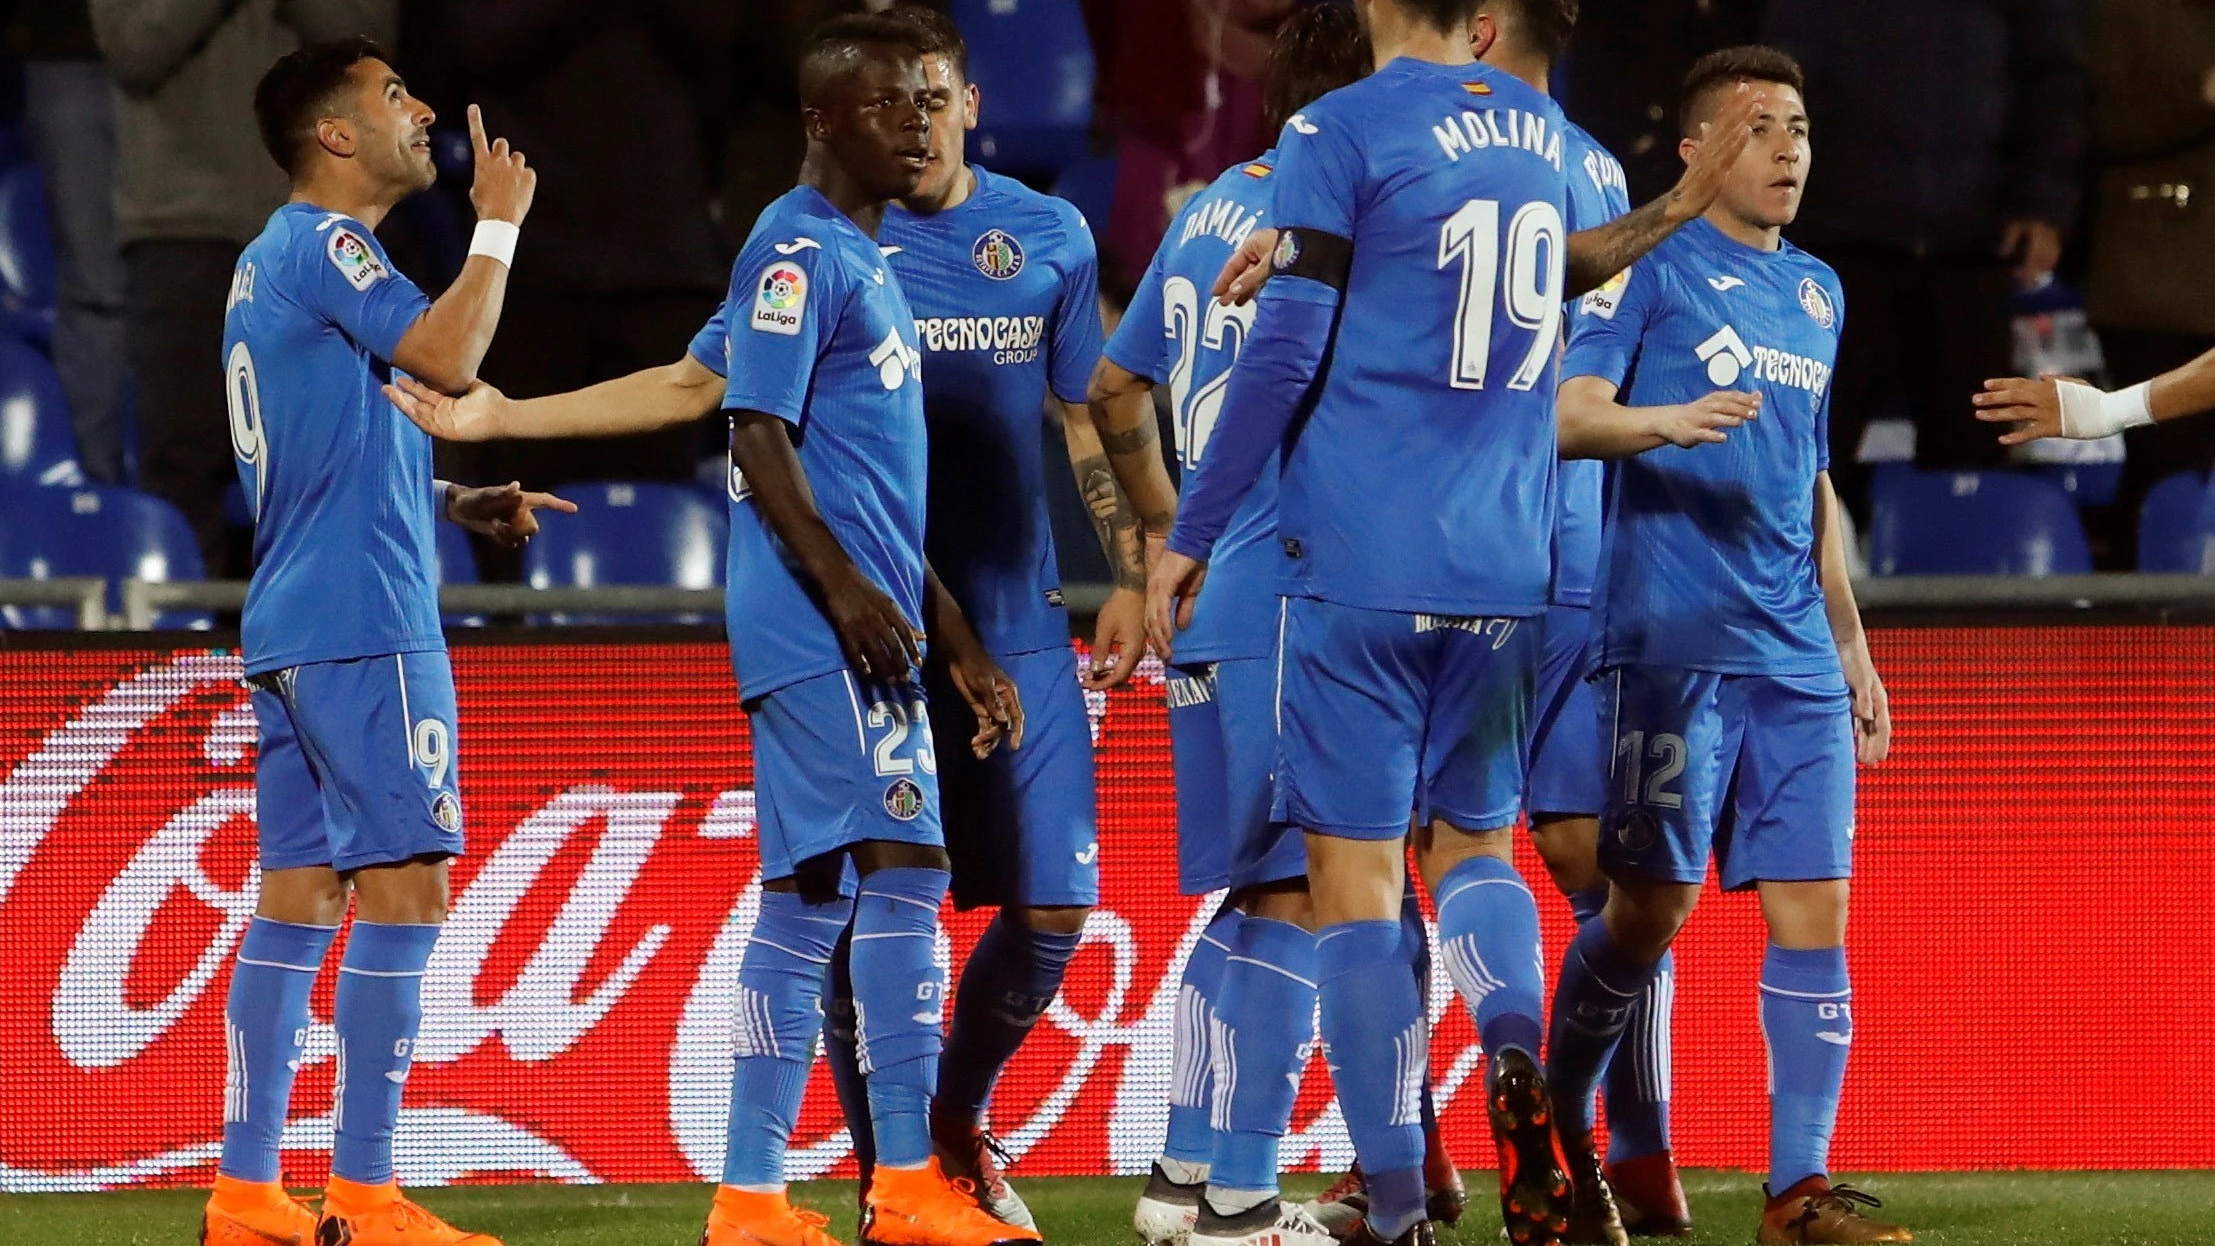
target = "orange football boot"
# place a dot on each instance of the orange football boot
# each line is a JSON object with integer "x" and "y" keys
{"x": 746, "y": 1218}
{"x": 1817, "y": 1213}
{"x": 378, "y": 1215}
{"x": 255, "y": 1213}
{"x": 922, "y": 1207}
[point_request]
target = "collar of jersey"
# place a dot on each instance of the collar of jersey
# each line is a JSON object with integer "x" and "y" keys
{"x": 1703, "y": 231}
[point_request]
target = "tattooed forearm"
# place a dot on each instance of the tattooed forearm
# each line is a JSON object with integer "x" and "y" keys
{"x": 1601, "y": 252}
{"x": 1114, "y": 520}
{"x": 1136, "y": 453}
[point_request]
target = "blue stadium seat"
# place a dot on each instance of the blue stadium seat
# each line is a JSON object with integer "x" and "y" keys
{"x": 625, "y": 533}
{"x": 2172, "y": 524}
{"x": 1032, "y": 63}
{"x": 2087, "y": 484}
{"x": 119, "y": 534}
{"x": 1090, "y": 184}
{"x": 27, "y": 285}
{"x": 457, "y": 564}
{"x": 36, "y": 444}
{"x": 1974, "y": 523}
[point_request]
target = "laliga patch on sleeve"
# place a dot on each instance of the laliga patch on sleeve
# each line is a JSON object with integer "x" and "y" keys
{"x": 351, "y": 255}
{"x": 780, "y": 299}
{"x": 1603, "y": 299}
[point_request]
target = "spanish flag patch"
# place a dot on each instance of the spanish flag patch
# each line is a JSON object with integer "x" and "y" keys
{"x": 1477, "y": 88}
{"x": 1257, "y": 169}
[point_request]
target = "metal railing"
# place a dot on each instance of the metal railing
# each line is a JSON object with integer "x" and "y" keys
{"x": 143, "y": 600}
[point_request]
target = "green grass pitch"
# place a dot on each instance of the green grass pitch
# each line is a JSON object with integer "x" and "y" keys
{"x": 1946, "y": 1209}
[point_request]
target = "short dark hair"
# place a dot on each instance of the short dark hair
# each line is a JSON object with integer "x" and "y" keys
{"x": 1545, "y": 24}
{"x": 940, "y": 36}
{"x": 302, "y": 88}
{"x": 1318, "y": 50}
{"x": 1754, "y": 62}
{"x": 1446, "y": 16}
{"x": 843, "y": 36}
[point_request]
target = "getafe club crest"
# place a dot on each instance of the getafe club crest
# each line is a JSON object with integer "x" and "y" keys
{"x": 1815, "y": 301}
{"x": 903, "y": 799}
{"x": 446, "y": 811}
{"x": 997, "y": 254}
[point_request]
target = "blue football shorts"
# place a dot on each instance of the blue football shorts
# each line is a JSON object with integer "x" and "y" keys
{"x": 1761, "y": 767}
{"x": 1223, "y": 740}
{"x": 839, "y": 762}
{"x": 1021, "y": 825}
{"x": 357, "y": 762}
{"x": 1568, "y": 766}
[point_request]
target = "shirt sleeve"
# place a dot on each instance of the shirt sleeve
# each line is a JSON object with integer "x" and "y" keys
{"x": 1075, "y": 343}
{"x": 1141, "y": 342}
{"x": 1822, "y": 406}
{"x": 786, "y": 298}
{"x": 712, "y": 344}
{"x": 1317, "y": 184}
{"x": 1607, "y": 324}
{"x": 348, "y": 281}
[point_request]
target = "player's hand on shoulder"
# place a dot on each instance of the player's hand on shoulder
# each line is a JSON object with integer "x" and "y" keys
{"x": 878, "y": 641}
{"x": 476, "y": 415}
{"x": 1172, "y": 587}
{"x": 506, "y": 513}
{"x": 1872, "y": 706}
{"x": 1118, "y": 640}
{"x": 504, "y": 183}
{"x": 2033, "y": 407}
{"x": 1247, "y": 268}
{"x": 1707, "y": 421}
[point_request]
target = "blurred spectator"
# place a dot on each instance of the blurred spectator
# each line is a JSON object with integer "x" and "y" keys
{"x": 1180, "y": 83}
{"x": 195, "y": 188}
{"x": 69, "y": 121}
{"x": 1626, "y": 67}
{"x": 621, "y": 109}
{"x": 2153, "y": 213}
{"x": 1949, "y": 143}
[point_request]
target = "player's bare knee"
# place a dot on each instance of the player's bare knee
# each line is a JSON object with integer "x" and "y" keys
{"x": 1806, "y": 915}
{"x": 1441, "y": 846}
{"x": 313, "y": 895}
{"x": 1570, "y": 847}
{"x": 1061, "y": 919}
{"x": 1643, "y": 916}
{"x": 884, "y": 854}
{"x": 410, "y": 893}
{"x": 1284, "y": 901}
{"x": 1355, "y": 880}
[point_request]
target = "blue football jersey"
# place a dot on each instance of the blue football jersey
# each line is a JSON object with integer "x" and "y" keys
{"x": 1598, "y": 193}
{"x": 1176, "y": 334}
{"x": 339, "y": 481}
{"x": 816, "y": 332}
{"x": 1711, "y": 559}
{"x": 1424, "y": 478}
{"x": 1006, "y": 291}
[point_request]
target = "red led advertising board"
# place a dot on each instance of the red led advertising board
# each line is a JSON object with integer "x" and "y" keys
{"x": 2029, "y": 944}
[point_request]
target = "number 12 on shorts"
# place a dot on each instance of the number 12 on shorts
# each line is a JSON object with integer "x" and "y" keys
{"x": 1633, "y": 750}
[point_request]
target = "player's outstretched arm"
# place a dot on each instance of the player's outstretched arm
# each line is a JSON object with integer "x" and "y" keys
{"x": 502, "y": 512}
{"x": 2056, "y": 406}
{"x": 991, "y": 695}
{"x": 1599, "y": 253}
{"x": 878, "y": 641}
{"x": 1119, "y": 634}
{"x": 1590, "y": 424}
{"x": 1872, "y": 707}
{"x": 445, "y": 344}
{"x": 639, "y": 403}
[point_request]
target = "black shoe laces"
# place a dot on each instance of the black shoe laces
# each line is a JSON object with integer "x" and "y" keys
{"x": 1842, "y": 1198}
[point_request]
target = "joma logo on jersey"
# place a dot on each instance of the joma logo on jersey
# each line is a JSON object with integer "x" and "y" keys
{"x": 1015, "y": 338}
{"x": 1473, "y": 131}
{"x": 781, "y": 298}
{"x": 1728, "y": 357}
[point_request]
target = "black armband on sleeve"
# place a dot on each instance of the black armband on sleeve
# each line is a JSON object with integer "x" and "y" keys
{"x": 1313, "y": 254}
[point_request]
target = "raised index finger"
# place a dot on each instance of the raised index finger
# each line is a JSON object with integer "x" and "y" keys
{"x": 477, "y": 130}
{"x": 547, "y": 501}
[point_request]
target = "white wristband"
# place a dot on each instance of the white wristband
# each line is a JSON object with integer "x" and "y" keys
{"x": 495, "y": 239}
{"x": 2088, "y": 414}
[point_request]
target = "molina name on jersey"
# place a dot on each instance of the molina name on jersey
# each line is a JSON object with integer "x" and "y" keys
{"x": 339, "y": 481}
{"x": 1711, "y": 561}
{"x": 1423, "y": 481}
{"x": 816, "y": 333}
{"x": 1005, "y": 287}
{"x": 1175, "y": 333}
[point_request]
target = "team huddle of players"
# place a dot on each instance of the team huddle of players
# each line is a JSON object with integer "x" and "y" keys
{"x": 1402, "y": 602}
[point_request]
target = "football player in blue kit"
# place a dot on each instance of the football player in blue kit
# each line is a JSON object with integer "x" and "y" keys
{"x": 356, "y": 774}
{"x": 1403, "y": 358}
{"x": 813, "y": 355}
{"x": 1735, "y": 678}
{"x": 1246, "y": 1001}
{"x": 1004, "y": 284}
